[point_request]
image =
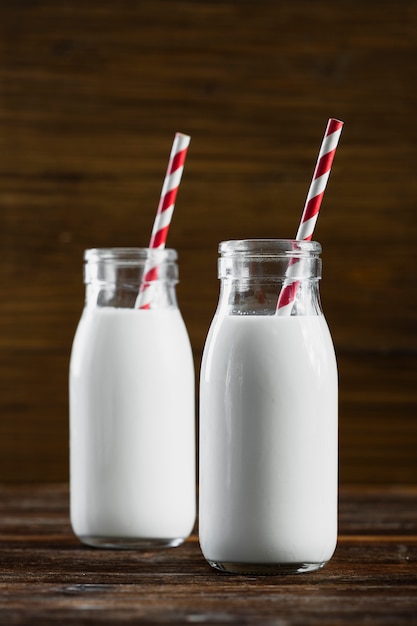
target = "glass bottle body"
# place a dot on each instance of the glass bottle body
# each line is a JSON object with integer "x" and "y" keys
{"x": 132, "y": 431}
{"x": 268, "y": 416}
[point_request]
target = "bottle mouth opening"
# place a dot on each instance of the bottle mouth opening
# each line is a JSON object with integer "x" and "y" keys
{"x": 269, "y": 247}
{"x": 130, "y": 256}
{"x": 269, "y": 260}
{"x": 130, "y": 265}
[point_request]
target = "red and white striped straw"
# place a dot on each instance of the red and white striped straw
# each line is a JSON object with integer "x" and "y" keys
{"x": 164, "y": 213}
{"x": 312, "y": 207}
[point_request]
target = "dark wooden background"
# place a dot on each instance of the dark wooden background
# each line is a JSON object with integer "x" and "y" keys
{"x": 91, "y": 94}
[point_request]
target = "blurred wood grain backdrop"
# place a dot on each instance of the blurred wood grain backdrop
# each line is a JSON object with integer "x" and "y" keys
{"x": 91, "y": 94}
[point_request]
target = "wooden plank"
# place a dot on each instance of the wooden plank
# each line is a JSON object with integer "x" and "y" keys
{"x": 377, "y": 438}
{"x": 91, "y": 95}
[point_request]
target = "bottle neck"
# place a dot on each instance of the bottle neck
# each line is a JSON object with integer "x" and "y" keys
{"x": 253, "y": 273}
{"x": 114, "y": 277}
{"x": 246, "y": 297}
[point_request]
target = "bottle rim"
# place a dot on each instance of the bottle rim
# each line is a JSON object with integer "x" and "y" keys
{"x": 269, "y": 247}
{"x": 129, "y": 265}
{"x": 130, "y": 255}
{"x": 269, "y": 260}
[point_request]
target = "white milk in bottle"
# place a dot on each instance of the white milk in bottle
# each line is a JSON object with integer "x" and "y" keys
{"x": 268, "y": 416}
{"x": 132, "y": 431}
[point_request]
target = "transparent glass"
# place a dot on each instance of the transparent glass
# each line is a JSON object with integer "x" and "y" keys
{"x": 132, "y": 413}
{"x": 268, "y": 415}
{"x": 253, "y": 271}
{"x": 113, "y": 276}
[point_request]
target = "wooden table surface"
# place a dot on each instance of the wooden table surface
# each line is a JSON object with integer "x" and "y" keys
{"x": 48, "y": 577}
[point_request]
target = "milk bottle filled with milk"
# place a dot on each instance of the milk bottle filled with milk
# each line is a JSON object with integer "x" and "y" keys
{"x": 132, "y": 413}
{"x": 268, "y": 414}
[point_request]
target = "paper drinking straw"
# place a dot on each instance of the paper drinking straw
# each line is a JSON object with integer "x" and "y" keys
{"x": 311, "y": 208}
{"x": 164, "y": 214}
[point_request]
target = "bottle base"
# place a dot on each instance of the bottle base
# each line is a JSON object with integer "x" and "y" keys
{"x": 266, "y": 569}
{"x": 130, "y": 543}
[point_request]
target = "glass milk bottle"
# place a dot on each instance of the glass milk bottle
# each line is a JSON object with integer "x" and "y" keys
{"x": 268, "y": 422}
{"x": 132, "y": 412}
